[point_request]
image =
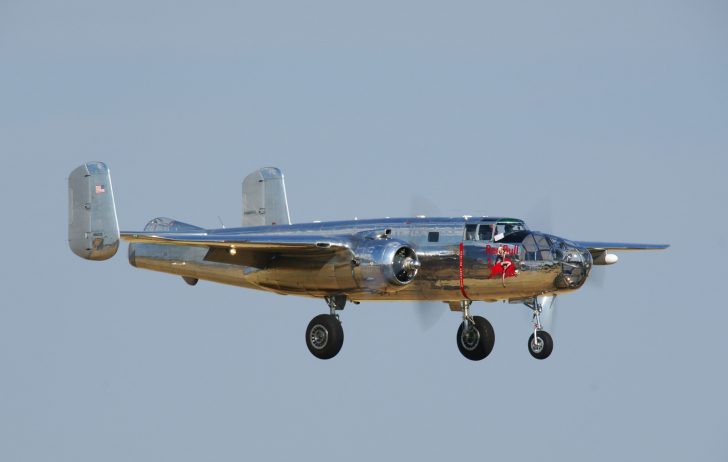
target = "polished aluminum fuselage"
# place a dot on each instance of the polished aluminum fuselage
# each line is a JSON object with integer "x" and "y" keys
{"x": 452, "y": 268}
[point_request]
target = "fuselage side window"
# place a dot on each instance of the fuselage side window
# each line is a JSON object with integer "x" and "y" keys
{"x": 433, "y": 236}
{"x": 471, "y": 232}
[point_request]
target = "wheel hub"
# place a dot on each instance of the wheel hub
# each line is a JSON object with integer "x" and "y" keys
{"x": 319, "y": 336}
{"x": 470, "y": 338}
{"x": 537, "y": 345}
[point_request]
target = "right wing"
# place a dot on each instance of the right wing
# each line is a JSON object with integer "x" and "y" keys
{"x": 255, "y": 250}
{"x": 600, "y": 250}
{"x": 619, "y": 246}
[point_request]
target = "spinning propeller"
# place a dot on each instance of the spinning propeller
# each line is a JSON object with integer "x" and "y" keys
{"x": 428, "y": 313}
{"x": 405, "y": 264}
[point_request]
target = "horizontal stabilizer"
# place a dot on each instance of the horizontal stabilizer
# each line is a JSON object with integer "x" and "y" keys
{"x": 93, "y": 230}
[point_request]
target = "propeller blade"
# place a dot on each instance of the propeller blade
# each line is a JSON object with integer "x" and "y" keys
{"x": 429, "y": 313}
{"x": 540, "y": 216}
{"x": 597, "y": 277}
{"x": 420, "y": 205}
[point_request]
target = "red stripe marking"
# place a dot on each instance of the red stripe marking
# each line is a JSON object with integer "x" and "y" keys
{"x": 462, "y": 282}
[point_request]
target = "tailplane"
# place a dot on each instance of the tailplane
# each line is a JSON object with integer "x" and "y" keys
{"x": 93, "y": 229}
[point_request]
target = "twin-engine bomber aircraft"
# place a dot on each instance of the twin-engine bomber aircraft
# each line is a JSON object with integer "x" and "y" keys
{"x": 453, "y": 260}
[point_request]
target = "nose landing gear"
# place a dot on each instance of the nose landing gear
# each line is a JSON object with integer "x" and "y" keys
{"x": 540, "y": 343}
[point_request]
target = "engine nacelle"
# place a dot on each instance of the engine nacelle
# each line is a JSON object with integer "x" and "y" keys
{"x": 605, "y": 258}
{"x": 384, "y": 265}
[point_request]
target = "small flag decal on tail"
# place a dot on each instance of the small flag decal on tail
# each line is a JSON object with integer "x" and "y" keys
{"x": 100, "y": 189}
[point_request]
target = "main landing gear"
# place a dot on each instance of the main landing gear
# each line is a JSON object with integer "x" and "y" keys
{"x": 540, "y": 343}
{"x": 324, "y": 334}
{"x": 476, "y": 337}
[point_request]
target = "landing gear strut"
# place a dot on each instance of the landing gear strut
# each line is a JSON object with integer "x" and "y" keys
{"x": 324, "y": 334}
{"x": 540, "y": 343}
{"x": 475, "y": 337}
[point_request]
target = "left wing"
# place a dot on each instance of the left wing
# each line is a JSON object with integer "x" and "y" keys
{"x": 248, "y": 249}
{"x": 238, "y": 241}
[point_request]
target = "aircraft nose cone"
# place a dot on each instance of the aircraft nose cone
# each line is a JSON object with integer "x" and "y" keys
{"x": 575, "y": 266}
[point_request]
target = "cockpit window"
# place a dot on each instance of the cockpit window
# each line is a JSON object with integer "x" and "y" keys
{"x": 503, "y": 229}
{"x": 491, "y": 230}
{"x": 485, "y": 232}
{"x": 535, "y": 246}
{"x": 544, "y": 247}
{"x": 530, "y": 248}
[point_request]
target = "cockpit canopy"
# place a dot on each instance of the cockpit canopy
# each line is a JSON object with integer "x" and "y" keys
{"x": 493, "y": 229}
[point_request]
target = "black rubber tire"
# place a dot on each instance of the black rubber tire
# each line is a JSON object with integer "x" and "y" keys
{"x": 324, "y": 336}
{"x": 548, "y": 346}
{"x": 480, "y": 348}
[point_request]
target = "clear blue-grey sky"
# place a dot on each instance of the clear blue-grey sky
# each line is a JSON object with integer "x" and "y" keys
{"x": 613, "y": 115}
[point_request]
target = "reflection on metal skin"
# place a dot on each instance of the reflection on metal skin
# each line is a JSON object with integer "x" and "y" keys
{"x": 384, "y": 265}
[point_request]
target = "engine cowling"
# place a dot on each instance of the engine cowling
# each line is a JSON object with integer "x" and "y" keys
{"x": 384, "y": 265}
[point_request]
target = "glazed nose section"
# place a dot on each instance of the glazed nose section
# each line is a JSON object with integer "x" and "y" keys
{"x": 575, "y": 266}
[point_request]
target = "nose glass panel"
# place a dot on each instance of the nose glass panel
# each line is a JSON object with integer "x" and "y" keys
{"x": 575, "y": 264}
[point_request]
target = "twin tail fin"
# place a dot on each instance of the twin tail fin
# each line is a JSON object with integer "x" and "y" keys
{"x": 93, "y": 229}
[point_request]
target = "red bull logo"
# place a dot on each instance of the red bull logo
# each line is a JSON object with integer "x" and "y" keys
{"x": 508, "y": 249}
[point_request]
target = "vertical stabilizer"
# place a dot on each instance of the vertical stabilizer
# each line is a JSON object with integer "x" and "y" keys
{"x": 93, "y": 230}
{"x": 264, "y": 198}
